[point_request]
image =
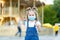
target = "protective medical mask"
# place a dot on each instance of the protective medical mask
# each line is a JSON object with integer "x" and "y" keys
{"x": 31, "y": 18}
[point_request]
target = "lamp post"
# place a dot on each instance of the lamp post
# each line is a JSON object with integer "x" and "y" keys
{"x": 19, "y": 7}
{"x": 2, "y": 4}
{"x": 42, "y": 11}
{"x": 34, "y": 3}
{"x": 10, "y": 10}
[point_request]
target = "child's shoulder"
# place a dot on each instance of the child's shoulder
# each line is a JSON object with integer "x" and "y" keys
{"x": 38, "y": 22}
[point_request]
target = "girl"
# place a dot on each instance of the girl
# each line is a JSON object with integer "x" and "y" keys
{"x": 19, "y": 27}
{"x": 32, "y": 25}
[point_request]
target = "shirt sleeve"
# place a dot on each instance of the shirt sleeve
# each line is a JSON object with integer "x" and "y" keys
{"x": 38, "y": 23}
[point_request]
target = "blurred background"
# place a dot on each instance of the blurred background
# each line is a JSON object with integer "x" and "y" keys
{"x": 12, "y": 10}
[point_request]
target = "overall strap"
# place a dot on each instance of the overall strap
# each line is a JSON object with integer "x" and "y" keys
{"x": 35, "y": 24}
{"x": 27, "y": 24}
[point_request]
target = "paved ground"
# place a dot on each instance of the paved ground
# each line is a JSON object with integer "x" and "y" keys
{"x": 22, "y": 38}
{"x": 11, "y": 31}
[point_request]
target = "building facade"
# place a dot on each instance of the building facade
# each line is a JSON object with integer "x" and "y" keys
{"x": 11, "y": 9}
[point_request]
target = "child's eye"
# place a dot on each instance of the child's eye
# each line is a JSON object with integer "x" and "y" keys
{"x": 29, "y": 15}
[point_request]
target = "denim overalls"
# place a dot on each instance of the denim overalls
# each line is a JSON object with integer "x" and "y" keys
{"x": 31, "y": 33}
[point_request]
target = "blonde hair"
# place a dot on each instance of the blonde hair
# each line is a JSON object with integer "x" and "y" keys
{"x": 34, "y": 9}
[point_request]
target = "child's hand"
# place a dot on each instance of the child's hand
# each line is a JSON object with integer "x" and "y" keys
{"x": 40, "y": 30}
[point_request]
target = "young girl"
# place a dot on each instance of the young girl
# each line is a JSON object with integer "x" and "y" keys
{"x": 32, "y": 25}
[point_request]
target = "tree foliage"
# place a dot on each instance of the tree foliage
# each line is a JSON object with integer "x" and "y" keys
{"x": 50, "y": 15}
{"x": 56, "y": 7}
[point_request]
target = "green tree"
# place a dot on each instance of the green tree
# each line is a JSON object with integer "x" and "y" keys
{"x": 50, "y": 15}
{"x": 56, "y": 7}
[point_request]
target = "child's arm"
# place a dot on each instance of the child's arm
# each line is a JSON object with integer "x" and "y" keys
{"x": 39, "y": 28}
{"x": 38, "y": 24}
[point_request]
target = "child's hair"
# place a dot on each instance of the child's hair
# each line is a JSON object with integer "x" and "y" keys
{"x": 34, "y": 10}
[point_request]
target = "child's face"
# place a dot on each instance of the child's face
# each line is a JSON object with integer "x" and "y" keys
{"x": 31, "y": 13}
{"x": 31, "y": 16}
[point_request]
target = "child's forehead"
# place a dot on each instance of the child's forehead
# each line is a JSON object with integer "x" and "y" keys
{"x": 31, "y": 12}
